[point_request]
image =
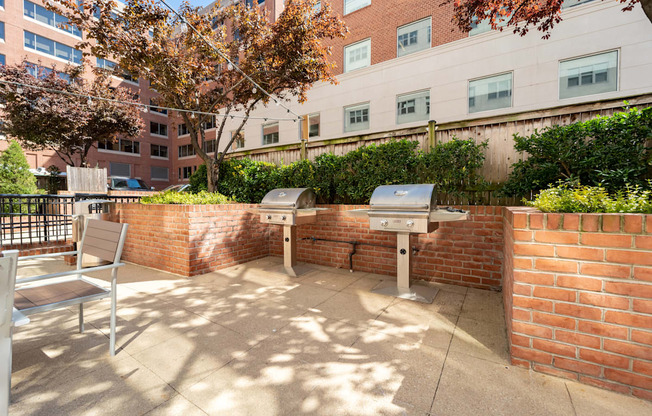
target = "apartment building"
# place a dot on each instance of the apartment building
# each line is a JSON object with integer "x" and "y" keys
{"x": 403, "y": 63}
{"x": 29, "y": 32}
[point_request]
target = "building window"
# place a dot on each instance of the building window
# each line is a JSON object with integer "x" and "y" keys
{"x": 210, "y": 146}
{"x": 185, "y": 172}
{"x": 115, "y": 70}
{"x": 353, "y": 5}
{"x": 207, "y": 125}
{"x": 158, "y": 129}
{"x": 413, "y": 107}
{"x": 572, "y": 3}
{"x": 2, "y": 30}
{"x": 3, "y": 60}
{"x": 121, "y": 145}
{"x": 38, "y": 71}
{"x": 119, "y": 169}
{"x": 45, "y": 16}
{"x": 186, "y": 150}
{"x": 593, "y": 74}
{"x": 182, "y": 129}
{"x": 357, "y": 55}
{"x": 155, "y": 109}
{"x": 356, "y": 117}
{"x": 484, "y": 26}
{"x": 310, "y": 126}
{"x": 239, "y": 141}
{"x": 413, "y": 37}
{"x": 270, "y": 133}
{"x": 490, "y": 93}
{"x": 159, "y": 151}
{"x": 2, "y": 3}
{"x": 50, "y": 47}
{"x": 159, "y": 173}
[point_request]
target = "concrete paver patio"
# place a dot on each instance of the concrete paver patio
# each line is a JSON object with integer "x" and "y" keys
{"x": 249, "y": 340}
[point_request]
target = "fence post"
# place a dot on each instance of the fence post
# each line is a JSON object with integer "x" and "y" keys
{"x": 432, "y": 126}
{"x": 303, "y": 151}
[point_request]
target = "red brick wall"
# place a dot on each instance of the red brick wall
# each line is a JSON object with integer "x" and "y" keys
{"x": 582, "y": 296}
{"x": 191, "y": 239}
{"x": 467, "y": 253}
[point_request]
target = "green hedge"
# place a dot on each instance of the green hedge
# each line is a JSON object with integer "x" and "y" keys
{"x": 171, "y": 197}
{"x": 351, "y": 179}
{"x": 566, "y": 197}
{"x": 609, "y": 152}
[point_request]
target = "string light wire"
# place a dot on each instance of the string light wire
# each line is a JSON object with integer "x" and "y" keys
{"x": 20, "y": 86}
{"x": 229, "y": 61}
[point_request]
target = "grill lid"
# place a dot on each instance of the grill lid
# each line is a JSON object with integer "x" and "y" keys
{"x": 289, "y": 198}
{"x": 404, "y": 198}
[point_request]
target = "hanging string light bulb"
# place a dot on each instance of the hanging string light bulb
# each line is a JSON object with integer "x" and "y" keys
{"x": 254, "y": 90}
{"x": 229, "y": 67}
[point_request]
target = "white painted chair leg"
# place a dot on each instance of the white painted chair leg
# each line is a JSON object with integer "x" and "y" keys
{"x": 114, "y": 301}
{"x": 5, "y": 371}
{"x": 81, "y": 318}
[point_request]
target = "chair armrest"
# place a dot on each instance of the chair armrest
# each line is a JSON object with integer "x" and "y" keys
{"x": 41, "y": 256}
{"x": 69, "y": 273}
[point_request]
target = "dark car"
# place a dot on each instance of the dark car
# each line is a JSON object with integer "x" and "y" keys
{"x": 128, "y": 184}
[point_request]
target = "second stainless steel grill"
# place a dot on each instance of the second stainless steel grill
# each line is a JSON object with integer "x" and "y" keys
{"x": 405, "y": 210}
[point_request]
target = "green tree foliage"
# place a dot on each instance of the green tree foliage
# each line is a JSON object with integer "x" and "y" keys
{"x": 69, "y": 125}
{"x": 606, "y": 151}
{"x": 353, "y": 177}
{"x": 285, "y": 56}
{"x": 15, "y": 177}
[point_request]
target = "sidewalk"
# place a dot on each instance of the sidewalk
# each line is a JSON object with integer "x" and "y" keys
{"x": 251, "y": 341}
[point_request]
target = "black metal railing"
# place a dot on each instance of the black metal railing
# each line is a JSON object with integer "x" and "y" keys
{"x": 31, "y": 219}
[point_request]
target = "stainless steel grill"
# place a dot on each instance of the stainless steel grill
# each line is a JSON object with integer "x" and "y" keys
{"x": 405, "y": 210}
{"x": 289, "y": 207}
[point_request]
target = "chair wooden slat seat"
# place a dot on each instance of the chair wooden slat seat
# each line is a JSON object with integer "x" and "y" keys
{"x": 38, "y": 299}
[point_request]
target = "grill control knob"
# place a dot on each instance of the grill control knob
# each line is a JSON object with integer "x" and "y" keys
{"x": 269, "y": 217}
{"x": 283, "y": 217}
{"x": 409, "y": 223}
{"x": 384, "y": 223}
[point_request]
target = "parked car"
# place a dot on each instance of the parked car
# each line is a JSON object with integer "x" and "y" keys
{"x": 128, "y": 184}
{"x": 185, "y": 187}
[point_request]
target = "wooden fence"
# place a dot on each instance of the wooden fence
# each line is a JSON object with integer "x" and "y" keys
{"x": 89, "y": 180}
{"x": 498, "y": 131}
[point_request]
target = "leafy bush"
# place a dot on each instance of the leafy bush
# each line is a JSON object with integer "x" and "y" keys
{"x": 606, "y": 151}
{"x": 15, "y": 177}
{"x": 353, "y": 177}
{"x": 566, "y": 197}
{"x": 453, "y": 166}
{"x": 171, "y": 197}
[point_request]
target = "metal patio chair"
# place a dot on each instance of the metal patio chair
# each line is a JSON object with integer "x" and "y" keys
{"x": 9, "y": 318}
{"x": 101, "y": 239}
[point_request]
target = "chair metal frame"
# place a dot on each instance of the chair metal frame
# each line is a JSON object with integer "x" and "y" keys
{"x": 9, "y": 318}
{"x": 84, "y": 248}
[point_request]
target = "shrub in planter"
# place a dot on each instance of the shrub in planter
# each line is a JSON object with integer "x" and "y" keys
{"x": 567, "y": 197}
{"x": 200, "y": 198}
{"x": 606, "y": 151}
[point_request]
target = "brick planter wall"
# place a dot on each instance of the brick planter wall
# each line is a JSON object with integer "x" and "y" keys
{"x": 191, "y": 239}
{"x": 467, "y": 253}
{"x": 582, "y": 296}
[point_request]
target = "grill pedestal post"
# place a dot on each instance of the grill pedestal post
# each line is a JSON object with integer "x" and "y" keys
{"x": 423, "y": 294}
{"x": 290, "y": 252}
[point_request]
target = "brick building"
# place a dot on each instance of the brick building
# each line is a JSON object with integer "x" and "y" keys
{"x": 402, "y": 64}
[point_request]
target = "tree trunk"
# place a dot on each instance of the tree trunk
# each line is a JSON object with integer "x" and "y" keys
{"x": 647, "y": 8}
{"x": 213, "y": 173}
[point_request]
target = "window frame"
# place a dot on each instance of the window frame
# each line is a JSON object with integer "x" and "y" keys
{"x": 425, "y": 93}
{"x": 559, "y": 77}
{"x": 55, "y": 55}
{"x": 158, "y": 156}
{"x": 345, "y": 70}
{"x": 429, "y": 18}
{"x": 151, "y": 123}
{"x": 344, "y": 9}
{"x": 278, "y": 132}
{"x": 362, "y": 106}
{"x": 469, "y": 87}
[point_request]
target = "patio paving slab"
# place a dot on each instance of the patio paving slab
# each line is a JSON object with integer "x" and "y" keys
{"x": 249, "y": 340}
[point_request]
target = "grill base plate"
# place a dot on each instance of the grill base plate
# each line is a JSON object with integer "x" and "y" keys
{"x": 417, "y": 293}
